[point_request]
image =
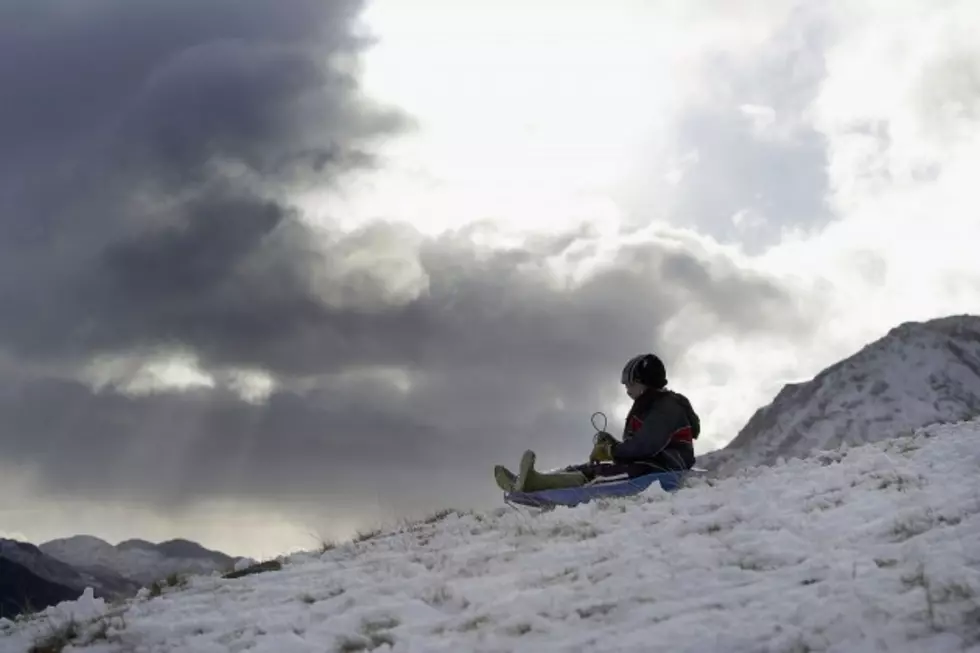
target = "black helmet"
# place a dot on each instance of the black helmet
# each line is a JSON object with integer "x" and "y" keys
{"x": 646, "y": 369}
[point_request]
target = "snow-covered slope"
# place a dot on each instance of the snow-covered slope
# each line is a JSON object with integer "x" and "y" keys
{"x": 876, "y": 548}
{"x": 141, "y": 561}
{"x": 920, "y": 373}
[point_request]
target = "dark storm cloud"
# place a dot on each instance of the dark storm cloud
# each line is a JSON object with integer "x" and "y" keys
{"x": 145, "y": 151}
{"x": 467, "y": 309}
{"x": 498, "y": 358}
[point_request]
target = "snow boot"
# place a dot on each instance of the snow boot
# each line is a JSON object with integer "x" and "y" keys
{"x": 530, "y": 480}
{"x": 505, "y": 478}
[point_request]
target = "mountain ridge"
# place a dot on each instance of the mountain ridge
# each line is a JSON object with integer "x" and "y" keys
{"x": 62, "y": 568}
{"x": 138, "y": 559}
{"x": 916, "y": 374}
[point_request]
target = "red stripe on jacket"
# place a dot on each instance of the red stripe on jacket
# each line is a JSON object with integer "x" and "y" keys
{"x": 683, "y": 434}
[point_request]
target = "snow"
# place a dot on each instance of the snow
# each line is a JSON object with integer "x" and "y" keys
{"x": 871, "y": 548}
{"x": 244, "y": 563}
{"x": 918, "y": 374}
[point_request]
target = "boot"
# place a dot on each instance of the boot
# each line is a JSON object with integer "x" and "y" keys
{"x": 506, "y": 479}
{"x": 530, "y": 480}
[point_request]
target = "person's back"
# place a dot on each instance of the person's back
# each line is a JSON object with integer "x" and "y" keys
{"x": 660, "y": 431}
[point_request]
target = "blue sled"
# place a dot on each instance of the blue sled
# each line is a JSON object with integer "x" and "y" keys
{"x": 573, "y": 496}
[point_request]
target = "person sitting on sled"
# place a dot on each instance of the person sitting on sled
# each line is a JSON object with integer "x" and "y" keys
{"x": 659, "y": 435}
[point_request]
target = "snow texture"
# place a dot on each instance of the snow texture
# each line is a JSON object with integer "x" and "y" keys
{"x": 920, "y": 373}
{"x": 870, "y": 548}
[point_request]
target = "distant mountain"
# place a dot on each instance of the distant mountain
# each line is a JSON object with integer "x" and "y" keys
{"x": 138, "y": 560}
{"x": 29, "y": 577}
{"x": 22, "y": 590}
{"x": 918, "y": 374}
{"x": 127, "y": 545}
{"x": 180, "y": 549}
{"x": 36, "y": 577}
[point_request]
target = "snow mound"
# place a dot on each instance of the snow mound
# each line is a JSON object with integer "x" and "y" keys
{"x": 919, "y": 373}
{"x": 872, "y": 548}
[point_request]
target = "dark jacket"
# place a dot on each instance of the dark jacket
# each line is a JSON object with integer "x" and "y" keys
{"x": 660, "y": 430}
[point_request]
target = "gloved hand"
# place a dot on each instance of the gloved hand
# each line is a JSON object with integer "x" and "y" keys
{"x": 600, "y": 452}
{"x": 602, "y": 449}
{"x": 602, "y": 436}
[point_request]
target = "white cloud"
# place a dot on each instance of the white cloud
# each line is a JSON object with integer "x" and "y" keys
{"x": 680, "y": 167}
{"x": 536, "y": 116}
{"x": 761, "y": 117}
{"x": 899, "y": 108}
{"x": 146, "y": 373}
{"x": 747, "y": 219}
{"x": 534, "y": 120}
{"x": 901, "y": 98}
{"x": 254, "y": 386}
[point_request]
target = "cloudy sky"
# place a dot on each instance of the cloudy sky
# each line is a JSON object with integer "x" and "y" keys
{"x": 274, "y": 270}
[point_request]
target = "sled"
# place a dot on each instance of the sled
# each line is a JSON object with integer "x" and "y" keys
{"x": 573, "y": 496}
